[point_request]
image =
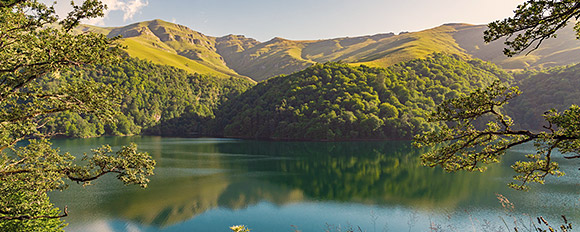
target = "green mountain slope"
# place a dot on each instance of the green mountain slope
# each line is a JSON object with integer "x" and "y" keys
{"x": 171, "y": 44}
{"x": 335, "y": 101}
{"x": 280, "y": 56}
{"x": 560, "y": 51}
{"x": 152, "y": 98}
{"x": 234, "y": 55}
{"x": 264, "y": 60}
{"x": 543, "y": 90}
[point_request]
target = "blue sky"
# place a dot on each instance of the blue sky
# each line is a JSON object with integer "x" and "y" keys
{"x": 304, "y": 19}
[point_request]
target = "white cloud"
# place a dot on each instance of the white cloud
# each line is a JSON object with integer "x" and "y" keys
{"x": 128, "y": 7}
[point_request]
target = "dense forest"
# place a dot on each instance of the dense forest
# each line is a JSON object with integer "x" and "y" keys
{"x": 334, "y": 101}
{"x": 152, "y": 99}
{"x": 543, "y": 90}
{"x": 330, "y": 101}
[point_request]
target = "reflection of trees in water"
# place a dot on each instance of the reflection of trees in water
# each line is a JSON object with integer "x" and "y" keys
{"x": 240, "y": 195}
{"x": 175, "y": 200}
{"x": 193, "y": 178}
{"x": 365, "y": 172}
{"x": 188, "y": 197}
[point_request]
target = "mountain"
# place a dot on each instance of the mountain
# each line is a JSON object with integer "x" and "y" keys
{"x": 559, "y": 51}
{"x": 334, "y": 101}
{"x": 542, "y": 90}
{"x": 170, "y": 44}
{"x": 236, "y": 55}
{"x": 153, "y": 99}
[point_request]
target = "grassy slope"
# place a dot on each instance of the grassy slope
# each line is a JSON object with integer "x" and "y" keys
{"x": 280, "y": 56}
{"x": 140, "y": 48}
{"x": 268, "y": 59}
{"x": 176, "y": 45}
{"x": 170, "y": 44}
{"x": 190, "y": 44}
{"x": 412, "y": 46}
{"x": 554, "y": 52}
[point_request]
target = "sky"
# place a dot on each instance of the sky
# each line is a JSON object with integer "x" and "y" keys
{"x": 302, "y": 19}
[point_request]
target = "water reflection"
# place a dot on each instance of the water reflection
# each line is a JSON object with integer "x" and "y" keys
{"x": 196, "y": 176}
{"x": 364, "y": 172}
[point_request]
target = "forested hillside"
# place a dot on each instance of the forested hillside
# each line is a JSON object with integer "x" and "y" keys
{"x": 334, "y": 101}
{"x": 152, "y": 97}
{"x": 331, "y": 101}
{"x": 543, "y": 90}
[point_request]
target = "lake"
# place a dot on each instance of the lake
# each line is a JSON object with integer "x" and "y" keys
{"x": 207, "y": 184}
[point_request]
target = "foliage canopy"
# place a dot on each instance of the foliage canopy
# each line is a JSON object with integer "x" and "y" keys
{"x": 534, "y": 21}
{"x": 157, "y": 100}
{"x": 467, "y": 146}
{"x": 334, "y": 101}
{"x": 33, "y": 50}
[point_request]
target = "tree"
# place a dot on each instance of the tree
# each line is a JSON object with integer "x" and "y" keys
{"x": 533, "y": 22}
{"x": 34, "y": 48}
{"x": 464, "y": 144}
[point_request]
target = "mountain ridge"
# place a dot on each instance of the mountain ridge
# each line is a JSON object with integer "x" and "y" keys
{"x": 239, "y": 56}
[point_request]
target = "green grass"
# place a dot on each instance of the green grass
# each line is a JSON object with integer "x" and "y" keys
{"x": 84, "y": 28}
{"x": 145, "y": 50}
{"x": 412, "y": 46}
{"x": 383, "y": 52}
{"x": 179, "y": 46}
{"x": 157, "y": 41}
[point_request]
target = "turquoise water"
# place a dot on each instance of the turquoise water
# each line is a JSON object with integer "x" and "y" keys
{"x": 206, "y": 184}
